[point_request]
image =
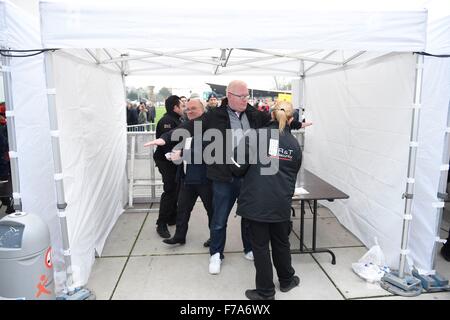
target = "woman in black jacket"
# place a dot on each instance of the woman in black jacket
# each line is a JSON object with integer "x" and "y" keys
{"x": 265, "y": 200}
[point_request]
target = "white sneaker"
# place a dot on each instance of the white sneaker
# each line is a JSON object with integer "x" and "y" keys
{"x": 214, "y": 263}
{"x": 249, "y": 256}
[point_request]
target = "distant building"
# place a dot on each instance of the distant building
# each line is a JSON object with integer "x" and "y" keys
{"x": 255, "y": 94}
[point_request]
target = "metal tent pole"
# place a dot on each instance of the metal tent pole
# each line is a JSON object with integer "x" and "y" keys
{"x": 11, "y": 128}
{"x": 413, "y": 145}
{"x": 302, "y": 90}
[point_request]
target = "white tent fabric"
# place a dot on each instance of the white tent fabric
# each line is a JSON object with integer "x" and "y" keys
{"x": 180, "y": 24}
{"x": 433, "y": 125}
{"x": 32, "y": 125}
{"x": 16, "y": 33}
{"x": 92, "y": 124}
{"x": 438, "y": 26}
{"x": 360, "y": 143}
{"x": 93, "y": 143}
{"x": 369, "y": 101}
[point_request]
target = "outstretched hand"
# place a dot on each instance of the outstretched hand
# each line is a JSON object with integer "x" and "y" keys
{"x": 306, "y": 124}
{"x": 156, "y": 142}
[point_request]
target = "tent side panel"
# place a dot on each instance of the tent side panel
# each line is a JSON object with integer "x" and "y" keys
{"x": 432, "y": 127}
{"x": 91, "y": 116}
{"x": 35, "y": 151}
{"x": 20, "y": 30}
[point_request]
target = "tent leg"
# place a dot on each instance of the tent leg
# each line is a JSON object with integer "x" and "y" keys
{"x": 72, "y": 293}
{"x": 395, "y": 282}
{"x": 131, "y": 182}
{"x": 11, "y": 127}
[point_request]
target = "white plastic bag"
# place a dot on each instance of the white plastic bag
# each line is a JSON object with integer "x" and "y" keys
{"x": 375, "y": 255}
{"x": 371, "y": 266}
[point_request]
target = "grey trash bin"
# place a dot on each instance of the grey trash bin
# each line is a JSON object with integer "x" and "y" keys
{"x": 26, "y": 270}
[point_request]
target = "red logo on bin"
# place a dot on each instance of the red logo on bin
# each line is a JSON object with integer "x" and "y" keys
{"x": 48, "y": 258}
{"x": 42, "y": 286}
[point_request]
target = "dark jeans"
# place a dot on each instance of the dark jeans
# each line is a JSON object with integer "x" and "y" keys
{"x": 186, "y": 200}
{"x": 168, "y": 204}
{"x": 261, "y": 234}
{"x": 224, "y": 197}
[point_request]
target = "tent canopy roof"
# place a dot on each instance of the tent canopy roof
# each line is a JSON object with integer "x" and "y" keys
{"x": 295, "y": 35}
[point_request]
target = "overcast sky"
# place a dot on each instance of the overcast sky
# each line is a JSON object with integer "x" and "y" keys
{"x": 197, "y": 82}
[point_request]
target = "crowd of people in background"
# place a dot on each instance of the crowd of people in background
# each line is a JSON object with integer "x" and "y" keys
{"x": 141, "y": 114}
{"x": 145, "y": 112}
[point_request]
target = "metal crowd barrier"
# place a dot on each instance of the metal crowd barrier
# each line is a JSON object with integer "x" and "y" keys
{"x": 142, "y": 127}
{"x": 144, "y": 180}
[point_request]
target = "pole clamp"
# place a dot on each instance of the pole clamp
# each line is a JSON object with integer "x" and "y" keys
{"x": 51, "y": 91}
{"x": 61, "y": 206}
{"x": 407, "y": 196}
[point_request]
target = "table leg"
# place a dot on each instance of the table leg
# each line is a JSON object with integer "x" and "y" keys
{"x": 314, "y": 235}
{"x": 302, "y": 223}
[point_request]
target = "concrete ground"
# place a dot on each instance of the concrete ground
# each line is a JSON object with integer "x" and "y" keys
{"x": 136, "y": 264}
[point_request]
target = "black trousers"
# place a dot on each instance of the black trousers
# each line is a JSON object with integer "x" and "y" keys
{"x": 277, "y": 234}
{"x": 168, "y": 203}
{"x": 187, "y": 197}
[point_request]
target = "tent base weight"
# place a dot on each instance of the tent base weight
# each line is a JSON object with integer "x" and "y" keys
{"x": 432, "y": 283}
{"x": 78, "y": 294}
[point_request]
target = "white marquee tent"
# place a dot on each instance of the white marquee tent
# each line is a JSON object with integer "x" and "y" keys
{"x": 356, "y": 68}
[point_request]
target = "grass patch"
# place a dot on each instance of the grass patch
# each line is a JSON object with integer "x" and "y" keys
{"x": 160, "y": 111}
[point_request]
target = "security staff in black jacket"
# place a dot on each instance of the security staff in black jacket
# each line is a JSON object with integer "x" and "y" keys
{"x": 193, "y": 181}
{"x": 265, "y": 201}
{"x": 168, "y": 170}
{"x": 236, "y": 115}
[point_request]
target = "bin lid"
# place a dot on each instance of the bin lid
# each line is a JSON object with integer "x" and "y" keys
{"x": 22, "y": 234}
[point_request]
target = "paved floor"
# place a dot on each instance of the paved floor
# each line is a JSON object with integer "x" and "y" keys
{"x": 135, "y": 264}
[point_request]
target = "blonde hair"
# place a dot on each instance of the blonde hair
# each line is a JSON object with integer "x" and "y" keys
{"x": 282, "y": 111}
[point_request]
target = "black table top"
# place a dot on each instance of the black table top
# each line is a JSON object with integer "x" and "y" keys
{"x": 318, "y": 189}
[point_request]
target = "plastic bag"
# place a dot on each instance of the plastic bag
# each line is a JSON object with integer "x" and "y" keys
{"x": 371, "y": 266}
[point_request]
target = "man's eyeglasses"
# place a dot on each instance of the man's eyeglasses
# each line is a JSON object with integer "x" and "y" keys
{"x": 244, "y": 97}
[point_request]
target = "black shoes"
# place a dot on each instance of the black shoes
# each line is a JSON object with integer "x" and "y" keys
{"x": 174, "y": 241}
{"x": 295, "y": 281}
{"x": 163, "y": 231}
{"x": 207, "y": 243}
{"x": 253, "y": 294}
{"x": 445, "y": 252}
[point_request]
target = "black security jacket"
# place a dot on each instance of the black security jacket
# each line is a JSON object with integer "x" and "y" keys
{"x": 168, "y": 122}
